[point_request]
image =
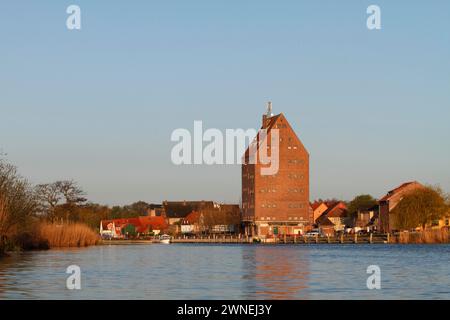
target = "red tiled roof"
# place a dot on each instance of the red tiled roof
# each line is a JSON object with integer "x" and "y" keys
{"x": 142, "y": 224}
{"x": 192, "y": 218}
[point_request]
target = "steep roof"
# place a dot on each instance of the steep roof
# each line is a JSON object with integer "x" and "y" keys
{"x": 400, "y": 188}
{"x": 270, "y": 123}
{"x": 192, "y": 218}
{"x": 336, "y": 210}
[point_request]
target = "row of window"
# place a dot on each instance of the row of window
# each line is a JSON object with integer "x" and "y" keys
{"x": 296, "y": 190}
{"x": 290, "y": 205}
{"x": 273, "y": 218}
{"x": 295, "y": 176}
{"x": 296, "y": 161}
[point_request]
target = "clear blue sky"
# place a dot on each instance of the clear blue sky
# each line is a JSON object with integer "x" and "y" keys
{"x": 99, "y": 105}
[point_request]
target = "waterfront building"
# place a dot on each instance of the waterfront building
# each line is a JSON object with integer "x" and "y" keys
{"x": 131, "y": 227}
{"x": 278, "y": 203}
{"x": 389, "y": 202}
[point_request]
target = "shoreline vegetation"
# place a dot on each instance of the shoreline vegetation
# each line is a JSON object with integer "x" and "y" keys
{"x": 43, "y": 216}
{"x": 433, "y": 236}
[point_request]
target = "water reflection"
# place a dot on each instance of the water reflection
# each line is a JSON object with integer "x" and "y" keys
{"x": 275, "y": 273}
{"x": 229, "y": 272}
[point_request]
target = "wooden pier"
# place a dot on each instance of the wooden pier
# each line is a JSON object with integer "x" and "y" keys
{"x": 343, "y": 239}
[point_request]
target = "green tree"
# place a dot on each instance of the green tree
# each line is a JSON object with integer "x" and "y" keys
{"x": 420, "y": 207}
{"x": 361, "y": 202}
{"x": 129, "y": 230}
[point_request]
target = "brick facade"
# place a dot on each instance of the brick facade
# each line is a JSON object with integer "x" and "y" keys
{"x": 277, "y": 204}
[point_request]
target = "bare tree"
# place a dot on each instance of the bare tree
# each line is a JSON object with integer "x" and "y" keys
{"x": 71, "y": 192}
{"x": 49, "y": 197}
{"x": 59, "y": 199}
{"x": 17, "y": 202}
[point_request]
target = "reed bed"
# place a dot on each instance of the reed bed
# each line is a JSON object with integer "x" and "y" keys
{"x": 424, "y": 237}
{"x": 68, "y": 235}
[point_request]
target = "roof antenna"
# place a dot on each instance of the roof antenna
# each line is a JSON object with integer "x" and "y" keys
{"x": 269, "y": 109}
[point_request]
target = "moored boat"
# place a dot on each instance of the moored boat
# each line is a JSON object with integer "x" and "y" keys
{"x": 165, "y": 238}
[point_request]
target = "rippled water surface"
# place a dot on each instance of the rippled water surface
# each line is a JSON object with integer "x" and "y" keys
{"x": 230, "y": 272}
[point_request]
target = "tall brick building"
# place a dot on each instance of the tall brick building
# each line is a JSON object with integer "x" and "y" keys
{"x": 276, "y": 204}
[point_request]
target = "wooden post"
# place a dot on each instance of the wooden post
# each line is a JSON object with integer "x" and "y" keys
{"x": 342, "y": 238}
{"x": 356, "y": 237}
{"x": 295, "y": 238}
{"x": 317, "y": 238}
{"x": 371, "y": 238}
{"x": 328, "y": 238}
{"x": 388, "y": 238}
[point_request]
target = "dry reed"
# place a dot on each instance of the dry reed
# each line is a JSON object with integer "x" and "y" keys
{"x": 68, "y": 235}
{"x": 424, "y": 237}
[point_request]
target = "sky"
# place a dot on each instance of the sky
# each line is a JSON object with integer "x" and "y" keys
{"x": 98, "y": 105}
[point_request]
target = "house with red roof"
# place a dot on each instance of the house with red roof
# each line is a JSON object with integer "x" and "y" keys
{"x": 335, "y": 216}
{"x": 192, "y": 223}
{"x": 131, "y": 227}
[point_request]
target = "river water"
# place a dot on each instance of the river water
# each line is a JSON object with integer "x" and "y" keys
{"x": 190, "y": 271}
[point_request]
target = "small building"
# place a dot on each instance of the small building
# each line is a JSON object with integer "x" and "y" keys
{"x": 337, "y": 213}
{"x": 367, "y": 219}
{"x": 192, "y": 224}
{"x": 326, "y": 226}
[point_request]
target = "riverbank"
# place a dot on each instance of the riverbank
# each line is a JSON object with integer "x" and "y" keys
{"x": 422, "y": 237}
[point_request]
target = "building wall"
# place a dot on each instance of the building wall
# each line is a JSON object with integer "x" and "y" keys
{"x": 281, "y": 199}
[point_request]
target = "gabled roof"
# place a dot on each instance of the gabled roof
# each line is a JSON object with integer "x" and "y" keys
{"x": 395, "y": 191}
{"x": 269, "y": 125}
{"x": 336, "y": 210}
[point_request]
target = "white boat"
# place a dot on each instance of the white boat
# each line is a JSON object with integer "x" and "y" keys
{"x": 165, "y": 238}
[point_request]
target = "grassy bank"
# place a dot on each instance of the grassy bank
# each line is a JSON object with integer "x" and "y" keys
{"x": 423, "y": 237}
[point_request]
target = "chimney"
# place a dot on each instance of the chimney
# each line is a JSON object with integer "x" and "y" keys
{"x": 266, "y": 117}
